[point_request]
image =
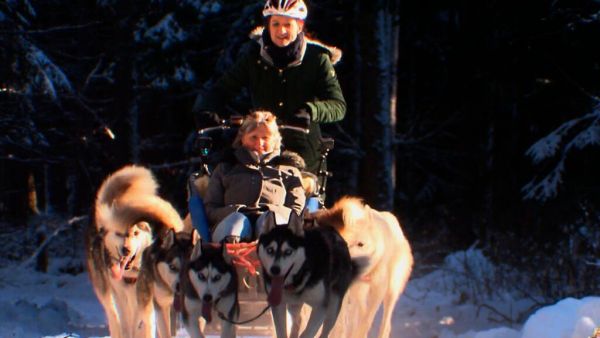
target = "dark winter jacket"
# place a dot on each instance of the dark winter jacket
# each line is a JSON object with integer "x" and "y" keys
{"x": 246, "y": 181}
{"x": 310, "y": 81}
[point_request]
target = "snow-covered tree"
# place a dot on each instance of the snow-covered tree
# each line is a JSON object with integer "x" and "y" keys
{"x": 575, "y": 134}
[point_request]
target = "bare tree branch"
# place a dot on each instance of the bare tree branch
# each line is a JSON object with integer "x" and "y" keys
{"x": 48, "y": 239}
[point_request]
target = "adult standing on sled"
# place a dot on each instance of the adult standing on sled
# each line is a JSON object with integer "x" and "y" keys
{"x": 253, "y": 180}
{"x": 286, "y": 73}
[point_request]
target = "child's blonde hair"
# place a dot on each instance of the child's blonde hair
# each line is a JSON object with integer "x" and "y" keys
{"x": 255, "y": 119}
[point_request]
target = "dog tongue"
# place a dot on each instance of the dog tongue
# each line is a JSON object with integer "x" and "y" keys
{"x": 206, "y": 311}
{"x": 275, "y": 295}
{"x": 117, "y": 271}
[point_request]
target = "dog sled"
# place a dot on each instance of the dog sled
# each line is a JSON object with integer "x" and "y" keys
{"x": 174, "y": 271}
{"x": 254, "y": 318}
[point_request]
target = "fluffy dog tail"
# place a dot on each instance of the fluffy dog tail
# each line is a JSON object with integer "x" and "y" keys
{"x": 127, "y": 180}
{"x": 343, "y": 215}
{"x": 129, "y": 196}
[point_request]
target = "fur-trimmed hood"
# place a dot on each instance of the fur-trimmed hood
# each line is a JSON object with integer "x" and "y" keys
{"x": 335, "y": 53}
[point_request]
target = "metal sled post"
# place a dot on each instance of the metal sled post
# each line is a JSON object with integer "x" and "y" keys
{"x": 195, "y": 202}
{"x": 317, "y": 200}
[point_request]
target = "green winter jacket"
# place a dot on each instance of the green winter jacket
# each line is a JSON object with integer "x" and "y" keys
{"x": 310, "y": 82}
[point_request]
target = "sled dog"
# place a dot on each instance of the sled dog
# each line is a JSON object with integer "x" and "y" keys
{"x": 159, "y": 285}
{"x": 210, "y": 283}
{"x": 311, "y": 266}
{"x": 377, "y": 236}
{"x": 127, "y": 217}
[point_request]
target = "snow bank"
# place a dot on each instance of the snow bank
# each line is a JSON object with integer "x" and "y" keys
{"x": 569, "y": 318}
{"x": 26, "y": 319}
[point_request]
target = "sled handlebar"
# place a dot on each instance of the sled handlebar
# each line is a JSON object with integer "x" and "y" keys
{"x": 232, "y": 122}
{"x": 294, "y": 128}
{"x": 236, "y": 121}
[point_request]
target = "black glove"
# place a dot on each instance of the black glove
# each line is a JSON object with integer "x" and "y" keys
{"x": 301, "y": 118}
{"x": 205, "y": 119}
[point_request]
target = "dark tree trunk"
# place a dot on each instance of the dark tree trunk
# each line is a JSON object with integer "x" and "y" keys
{"x": 356, "y": 100}
{"x": 13, "y": 191}
{"x": 134, "y": 125}
{"x": 377, "y": 48}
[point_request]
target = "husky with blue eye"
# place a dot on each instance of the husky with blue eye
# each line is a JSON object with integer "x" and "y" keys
{"x": 159, "y": 282}
{"x": 210, "y": 284}
{"x": 311, "y": 266}
{"x": 128, "y": 216}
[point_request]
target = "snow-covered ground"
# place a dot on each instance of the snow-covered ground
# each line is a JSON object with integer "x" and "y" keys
{"x": 456, "y": 300}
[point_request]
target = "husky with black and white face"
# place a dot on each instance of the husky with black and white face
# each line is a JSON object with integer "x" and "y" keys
{"x": 159, "y": 279}
{"x": 209, "y": 283}
{"x": 300, "y": 266}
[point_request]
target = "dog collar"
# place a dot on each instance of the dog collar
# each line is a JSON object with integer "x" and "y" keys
{"x": 129, "y": 280}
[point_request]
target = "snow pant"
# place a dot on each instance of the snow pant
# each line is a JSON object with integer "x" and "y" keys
{"x": 245, "y": 227}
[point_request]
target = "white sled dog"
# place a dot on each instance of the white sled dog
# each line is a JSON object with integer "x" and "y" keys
{"x": 311, "y": 266}
{"x": 377, "y": 236}
{"x": 128, "y": 215}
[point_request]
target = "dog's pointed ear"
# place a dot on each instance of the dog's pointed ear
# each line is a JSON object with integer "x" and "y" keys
{"x": 144, "y": 226}
{"x": 169, "y": 239}
{"x": 296, "y": 223}
{"x": 269, "y": 223}
{"x": 196, "y": 251}
{"x": 226, "y": 255}
{"x": 195, "y": 236}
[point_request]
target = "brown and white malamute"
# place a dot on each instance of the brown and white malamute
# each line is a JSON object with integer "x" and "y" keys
{"x": 127, "y": 217}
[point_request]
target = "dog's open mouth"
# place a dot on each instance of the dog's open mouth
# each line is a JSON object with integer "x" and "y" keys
{"x": 277, "y": 286}
{"x": 276, "y": 293}
{"x": 128, "y": 262}
{"x": 124, "y": 264}
{"x": 207, "y": 310}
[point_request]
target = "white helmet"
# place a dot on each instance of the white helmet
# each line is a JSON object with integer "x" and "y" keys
{"x": 291, "y": 8}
